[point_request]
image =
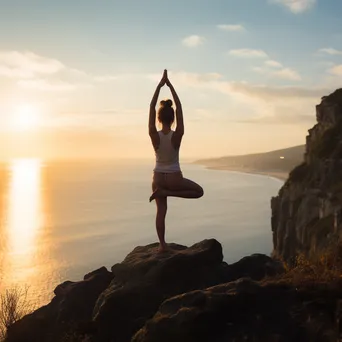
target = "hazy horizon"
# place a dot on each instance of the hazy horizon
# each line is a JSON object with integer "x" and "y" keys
{"x": 76, "y": 79}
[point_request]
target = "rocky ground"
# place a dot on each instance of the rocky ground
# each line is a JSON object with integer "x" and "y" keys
{"x": 186, "y": 294}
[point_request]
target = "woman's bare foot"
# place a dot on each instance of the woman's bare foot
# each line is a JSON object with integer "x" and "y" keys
{"x": 157, "y": 193}
{"x": 163, "y": 248}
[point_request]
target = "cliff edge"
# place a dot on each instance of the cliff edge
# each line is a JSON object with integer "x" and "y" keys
{"x": 307, "y": 213}
{"x": 114, "y": 305}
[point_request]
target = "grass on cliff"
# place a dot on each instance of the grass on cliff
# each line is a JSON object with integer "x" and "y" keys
{"x": 326, "y": 268}
{"x": 14, "y": 304}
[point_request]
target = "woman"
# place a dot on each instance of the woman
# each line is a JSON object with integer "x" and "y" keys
{"x": 167, "y": 176}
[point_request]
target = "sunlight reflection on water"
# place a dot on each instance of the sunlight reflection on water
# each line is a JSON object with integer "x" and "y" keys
{"x": 23, "y": 220}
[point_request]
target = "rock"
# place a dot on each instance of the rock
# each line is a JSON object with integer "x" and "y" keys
{"x": 306, "y": 214}
{"x": 113, "y": 306}
{"x": 145, "y": 279}
{"x": 256, "y": 267}
{"x": 244, "y": 311}
{"x": 71, "y": 307}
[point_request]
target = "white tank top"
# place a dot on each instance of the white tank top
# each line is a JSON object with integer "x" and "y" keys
{"x": 167, "y": 157}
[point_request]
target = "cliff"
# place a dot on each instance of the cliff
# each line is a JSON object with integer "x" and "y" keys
{"x": 306, "y": 214}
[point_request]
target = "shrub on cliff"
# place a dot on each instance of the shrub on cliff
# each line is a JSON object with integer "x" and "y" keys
{"x": 325, "y": 268}
{"x": 13, "y": 306}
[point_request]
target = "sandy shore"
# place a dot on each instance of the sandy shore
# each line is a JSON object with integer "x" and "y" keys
{"x": 275, "y": 174}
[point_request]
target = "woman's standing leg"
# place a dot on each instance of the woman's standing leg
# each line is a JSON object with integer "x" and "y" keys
{"x": 161, "y": 202}
{"x": 160, "y": 221}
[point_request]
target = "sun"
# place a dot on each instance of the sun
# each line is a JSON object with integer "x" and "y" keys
{"x": 26, "y": 117}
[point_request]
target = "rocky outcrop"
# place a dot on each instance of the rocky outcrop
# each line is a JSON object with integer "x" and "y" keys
{"x": 113, "y": 306}
{"x": 307, "y": 213}
{"x": 143, "y": 281}
{"x": 70, "y": 310}
{"x": 247, "y": 311}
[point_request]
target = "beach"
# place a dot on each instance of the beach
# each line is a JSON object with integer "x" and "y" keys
{"x": 274, "y": 174}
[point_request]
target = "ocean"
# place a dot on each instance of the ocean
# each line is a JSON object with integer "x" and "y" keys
{"x": 59, "y": 221}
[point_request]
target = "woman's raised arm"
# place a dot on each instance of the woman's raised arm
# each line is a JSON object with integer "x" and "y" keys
{"x": 152, "y": 117}
{"x": 179, "y": 111}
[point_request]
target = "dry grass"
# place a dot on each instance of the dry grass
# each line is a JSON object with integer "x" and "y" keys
{"x": 323, "y": 269}
{"x": 14, "y": 304}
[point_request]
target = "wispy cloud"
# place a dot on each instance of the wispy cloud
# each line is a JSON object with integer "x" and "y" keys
{"x": 273, "y": 64}
{"x": 336, "y": 70}
{"x": 287, "y": 74}
{"x": 286, "y": 116}
{"x": 234, "y": 28}
{"x": 40, "y": 73}
{"x": 276, "y": 69}
{"x": 193, "y": 41}
{"x": 296, "y": 6}
{"x": 14, "y": 64}
{"x": 49, "y": 86}
{"x": 282, "y": 73}
{"x": 105, "y": 78}
{"x": 248, "y": 53}
{"x": 216, "y": 81}
{"x": 331, "y": 51}
{"x": 282, "y": 104}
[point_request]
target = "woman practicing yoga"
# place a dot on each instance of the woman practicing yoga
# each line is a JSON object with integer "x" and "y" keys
{"x": 168, "y": 179}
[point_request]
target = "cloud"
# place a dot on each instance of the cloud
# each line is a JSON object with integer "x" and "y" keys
{"x": 331, "y": 51}
{"x": 296, "y": 6}
{"x": 263, "y": 104}
{"x": 248, "y": 53}
{"x": 14, "y": 64}
{"x": 257, "y": 91}
{"x": 259, "y": 70}
{"x": 234, "y": 28}
{"x": 336, "y": 70}
{"x": 287, "y": 74}
{"x": 266, "y": 93}
{"x": 193, "y": 41}
{"x": 192, "y": 79}
{"x": 276, "y": 70}
{"x": 49, "y": 86}
{"x": 273, "y": 64}
{"x": 35, "y": 72}
{"x": 105, "y": 78}
{"x": 216, "y": 81}
{"x": 284, "y": 116}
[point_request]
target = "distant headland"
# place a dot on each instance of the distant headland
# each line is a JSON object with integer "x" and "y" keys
{"x": 276, "y": 163}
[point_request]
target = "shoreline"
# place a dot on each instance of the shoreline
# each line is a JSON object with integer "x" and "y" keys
{"x": 274, "y": 174}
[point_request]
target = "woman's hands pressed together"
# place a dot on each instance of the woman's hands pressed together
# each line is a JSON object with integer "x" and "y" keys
{"x": 164, "y": 79}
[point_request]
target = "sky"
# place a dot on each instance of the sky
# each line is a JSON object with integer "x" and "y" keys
{"x": 77, "y": 77}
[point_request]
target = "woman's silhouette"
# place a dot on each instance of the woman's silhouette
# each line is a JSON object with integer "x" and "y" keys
{"x": 167, "y": 175}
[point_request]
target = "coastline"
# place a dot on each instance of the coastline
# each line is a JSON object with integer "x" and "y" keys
{"x": 274, "y": 174}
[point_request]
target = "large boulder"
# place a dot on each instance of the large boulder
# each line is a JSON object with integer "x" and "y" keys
{"x": 71, "y": 308}
{"x": 245, "y": 311}
{"x": 256, "y": 266}
{"x": 145, "y": 279}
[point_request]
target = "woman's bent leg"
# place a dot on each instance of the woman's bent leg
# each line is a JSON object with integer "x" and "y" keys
{"x": 184, "y": 188}
{"x": 160, "y": 221}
